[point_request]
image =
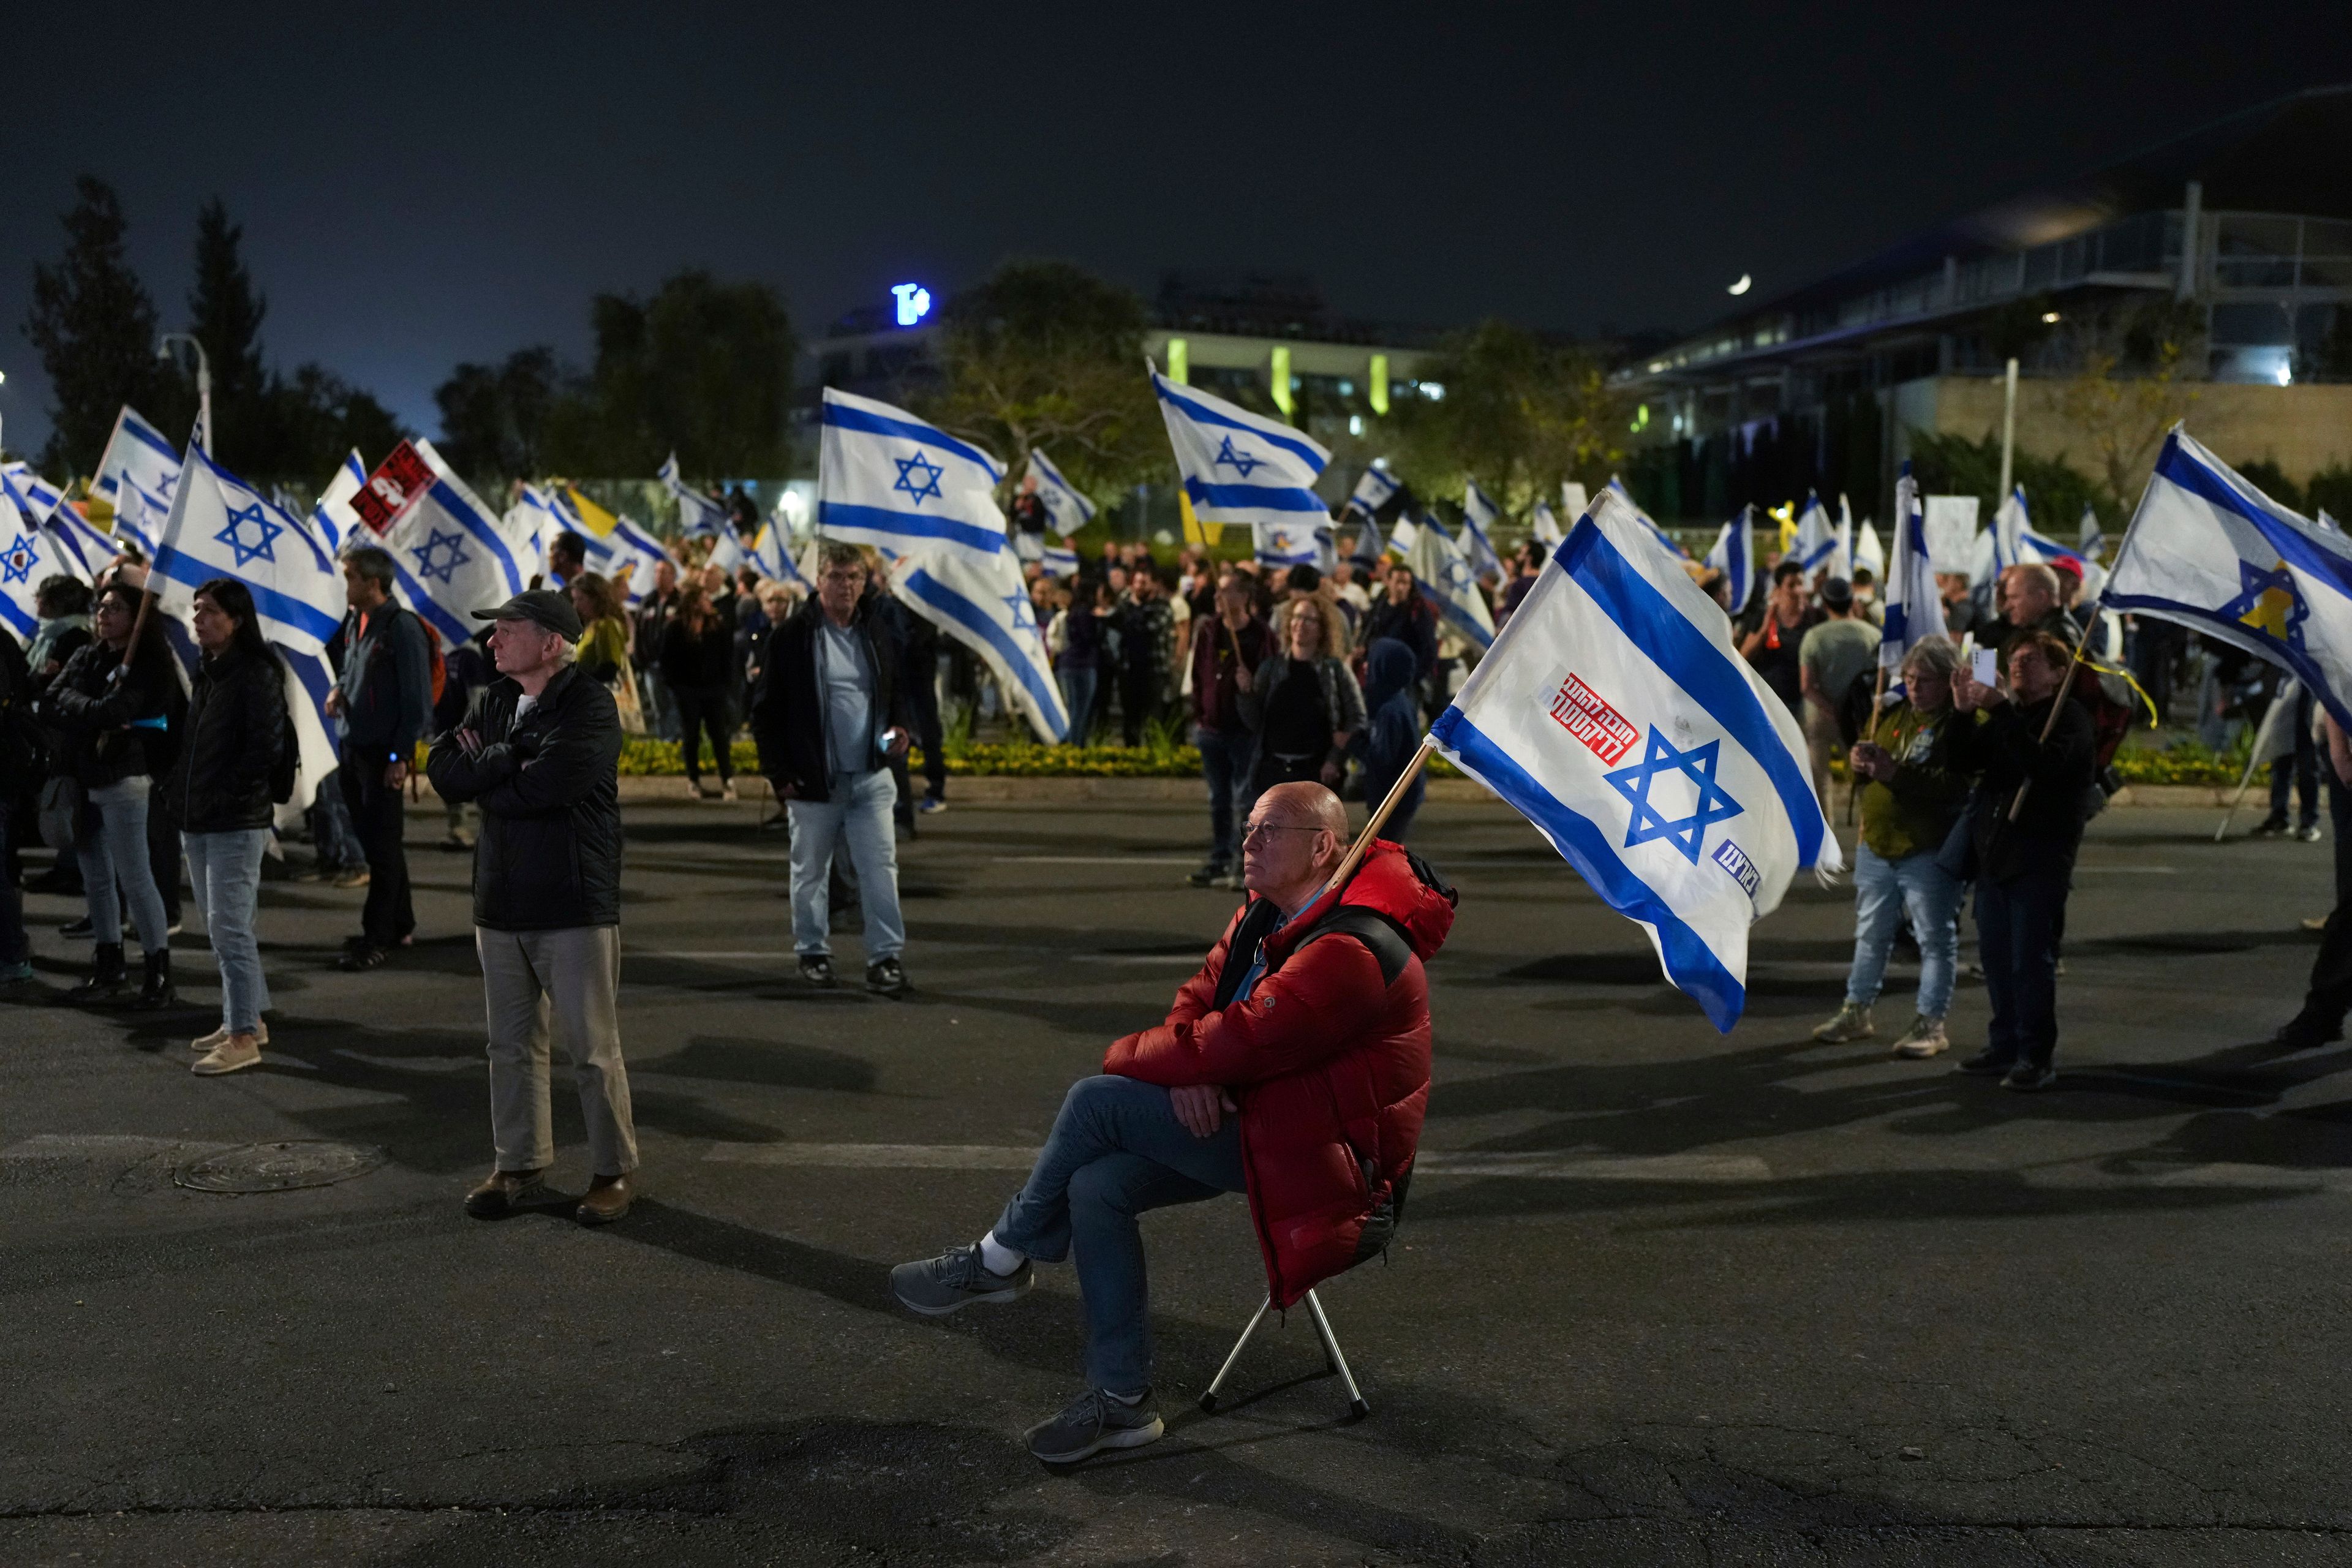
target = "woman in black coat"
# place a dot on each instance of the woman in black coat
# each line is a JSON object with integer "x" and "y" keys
{"x": 698, "y": 662}
{"x": 117, "y": 716}
{"x": 234, "y": 751}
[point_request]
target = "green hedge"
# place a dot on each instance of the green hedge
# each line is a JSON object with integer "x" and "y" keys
{"x": 1161, "y": 759}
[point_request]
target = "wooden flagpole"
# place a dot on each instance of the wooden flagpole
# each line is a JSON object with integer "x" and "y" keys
{"x": 2017, "y": 802}
{"x": 1372, "y": 829}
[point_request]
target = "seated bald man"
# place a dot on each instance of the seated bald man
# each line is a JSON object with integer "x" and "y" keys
{"x": 1295, "y": 1066}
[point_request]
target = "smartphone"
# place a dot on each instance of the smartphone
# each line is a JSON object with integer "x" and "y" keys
{"x": 1983, "y": 667}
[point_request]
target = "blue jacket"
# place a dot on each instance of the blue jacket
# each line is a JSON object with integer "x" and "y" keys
{"x": 387, "y": 683}
{"x": 1392, "y": 731}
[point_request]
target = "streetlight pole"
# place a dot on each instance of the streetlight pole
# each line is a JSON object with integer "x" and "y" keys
{"x": 2008, "y": 430}
{"x": 203, "y": 381}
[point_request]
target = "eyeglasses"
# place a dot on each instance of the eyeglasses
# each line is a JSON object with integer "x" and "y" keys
{"x": 1251, "y": 830}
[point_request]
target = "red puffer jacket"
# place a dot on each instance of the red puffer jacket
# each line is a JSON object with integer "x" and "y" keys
{"x": 1328, "y": 1060}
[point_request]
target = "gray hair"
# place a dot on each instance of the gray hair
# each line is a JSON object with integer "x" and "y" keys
{"x": 1932, "y": 656}
{"x": 376, "y": 565}
{"x": 832, "y": 553}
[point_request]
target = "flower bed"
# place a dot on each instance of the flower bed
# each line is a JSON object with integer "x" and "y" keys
{"x": 643, "y": 758}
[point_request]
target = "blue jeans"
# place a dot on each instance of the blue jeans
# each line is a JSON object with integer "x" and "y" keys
{"x": 1883, "y": 889}
{"x": 1079, "y": 697}
{"x": 225, "y": 869}
{"x": 1226, "y": 758}
{"x": 859, "y": 815}
{"x": 331, "y": 828}
{"x": 1116, "y": 1150}
{"x": 113, "y": 845}
{"x": 2018, "y": 922}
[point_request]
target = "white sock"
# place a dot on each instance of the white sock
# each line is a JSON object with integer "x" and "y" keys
{"x": 998, "y": 1258}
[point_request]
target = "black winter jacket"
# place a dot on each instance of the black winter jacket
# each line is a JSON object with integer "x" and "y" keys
{"x": 788, "y": 709}
{"x": 549, "y": 856}
{"x": 235, "y": 736}
{"x": 110, "y": 727}
{"x": 2008, "y": 750}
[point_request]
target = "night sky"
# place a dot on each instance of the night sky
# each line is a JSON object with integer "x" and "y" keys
{"x": 425, "y": 184}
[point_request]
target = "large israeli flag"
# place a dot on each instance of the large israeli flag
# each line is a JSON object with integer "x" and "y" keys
{"x": 1442, "y": 572}
{"x": 1479, "y": 516}
{"x": 452, "y": 556}
{"x": 1733, "y": 555}
{"x": 2209, "y": 549}
{"x": 222, "y": 527}
{"x": 979, "y": 599}
{"x": 138, "y": 450}
{"x": 139, "y": 517}
{"x": 1241, "y": 468}
{"x": 26, "y": 558}
{"x": 1910, "y": 604}
{"x": 1614, "y": 714}
{"x": 698, "y": 514}
{"x": 886, "y": 478}
{"x": 1066, "y": 508}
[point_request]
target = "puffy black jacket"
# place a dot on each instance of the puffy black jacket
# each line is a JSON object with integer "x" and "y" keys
{"x": 114, "y": 729}
{"x": 549, "y": 855}
{"x": 233, "y": 741}
{"x": 2009, "y": 749}
{"x": 788, "y": 709}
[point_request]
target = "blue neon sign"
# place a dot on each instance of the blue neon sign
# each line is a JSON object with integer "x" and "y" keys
{"x": 914, "y": 302}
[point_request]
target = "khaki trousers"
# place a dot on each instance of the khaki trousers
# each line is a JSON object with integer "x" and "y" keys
{"x": 564, "y": 986}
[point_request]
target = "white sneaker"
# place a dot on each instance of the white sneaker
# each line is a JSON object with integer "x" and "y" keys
{"x": 1924, "y": 1039}
{"x": 1851, "y": 1023}
{"x": 219, "y": 1037}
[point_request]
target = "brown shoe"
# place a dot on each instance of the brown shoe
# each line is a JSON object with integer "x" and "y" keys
{"x": 607, "y": 1200}
{"x": 503, "y": 1191}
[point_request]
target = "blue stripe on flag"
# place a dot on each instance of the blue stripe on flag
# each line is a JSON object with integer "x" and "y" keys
{"x": 966, "y": 614}
{"x": 1203, "y": 416}
{"x": 281, "y": 607}
{"x": 2298, "y": 551}
{"x": 1255, "y": 498}
{"x": 26, "y": 625}
{"x": 1669, "y": 641}
{"x": 1691, "y": 964}
{"x": 483, "y": 530}
{"x": 841, "y": 417}
{"x": 141, "y": 431}
{"x": 422, "y": 604}
{"x": 913, "y": 525}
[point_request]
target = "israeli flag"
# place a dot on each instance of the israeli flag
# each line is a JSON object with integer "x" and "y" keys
{"x": 333, "y": 518}
{"x": 139, "y": 517}
{"x": 1374, "y": 490}
{"x": 635, "y": 552}
{"x": 1404, "y": 535}
{"x": 698, "y": 514}
{"x": 81, "y": 547}
{"x": 451, "y": 555}
{"x": 1059, "y": 560}
{"x": 538, "y": 511}
{"x": 2328, "y": 522}
{"x": 222, "y": 527}
{"x": 1289, "y": 543}
{"x": 1869, "y": 553}
{"x": 886, "y": 478}
{"x": 769, "y": 554}
{"x": 137, "y": 449}
{"x": 1665, "y": 541}
{"x": 1910, "y": 605}
{"x": 308, "y": 678}
{"x": 2209, "y": 549}
{"x": 979, "y": 599}
{"x": 1545, "y": 524}
{"x": 1442, "y": 572}
{"x": 1733, "y": 555}
{"x": 1241, "y": 468}
{"x": 1575, "y": 503}
{"x": 1614, "y": 714}
{"x": 1479, "y": 516}
{"x": 26, "y": 557}
{"x": 2089, "y": 534}
{"x": 726, "y": 551}
{"x": 1366, "y": 551}
{"x": 41, "y": 498}
{"x": 1065, "y": 508}
{"x": 1817, "y": 541}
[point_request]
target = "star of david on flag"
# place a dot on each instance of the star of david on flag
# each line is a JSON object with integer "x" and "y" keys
{"x": 1613, "y": 712}
{"x": 1242, "y": 468}
{"x": 24, "y": 560}
{"x": 2209, "y": 549}
{"x": 889, "y": 479}
{"x": 1242, "y": 462}
{"x": 918, "y": 476}
{"x": 438, "y": 558}
{"x": 251, "y": 533}
{"x": 23, "y": 555}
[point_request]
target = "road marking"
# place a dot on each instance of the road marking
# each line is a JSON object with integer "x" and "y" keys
{"x": 765, "y": 955}
{"x": 1533, "y": 1167}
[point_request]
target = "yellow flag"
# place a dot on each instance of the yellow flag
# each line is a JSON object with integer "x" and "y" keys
{"x": 594, "y": 518}
{"x": 1195, "y": 531}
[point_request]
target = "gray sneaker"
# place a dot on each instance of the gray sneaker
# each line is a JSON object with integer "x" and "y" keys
{"x": 1852, "y": 1023}
{"x": 956, "y": 1278}
{"x": 1095, "y": 1421}
{"x": 1924, "y": 1039}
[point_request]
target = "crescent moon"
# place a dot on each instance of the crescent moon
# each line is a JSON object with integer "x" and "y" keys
{"x": 1742, "y": 286}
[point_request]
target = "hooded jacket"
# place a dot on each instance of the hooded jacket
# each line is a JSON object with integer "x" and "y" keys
{"x": 1392, "y": 730}
{"x": 1328, "y": 1060}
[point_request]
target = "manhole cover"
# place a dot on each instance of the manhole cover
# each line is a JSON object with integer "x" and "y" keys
{"x": 278, "y": 1167}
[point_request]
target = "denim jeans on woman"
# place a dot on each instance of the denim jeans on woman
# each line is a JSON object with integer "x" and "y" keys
{"x": 1883, "y": 889}
{"x": 111, "y": 844}
{"x": 225, "y": 871}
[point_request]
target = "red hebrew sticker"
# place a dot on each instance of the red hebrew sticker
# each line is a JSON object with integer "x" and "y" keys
{"x": 392, "y": 487}
{"x": 1582, "y": 713}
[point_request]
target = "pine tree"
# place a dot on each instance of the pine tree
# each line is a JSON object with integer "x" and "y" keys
{"x": 225, "y": 314}
{"x": 94, "y": 327}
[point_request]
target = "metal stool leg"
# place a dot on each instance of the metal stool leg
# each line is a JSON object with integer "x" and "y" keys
{"x": 1357, "y": 1405}
{"x": 1209, "y": 1400}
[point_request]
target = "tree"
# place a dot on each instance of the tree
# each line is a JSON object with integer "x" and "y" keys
{"x": 2055, "y": 489}
{"x": 94, "y": 327}
{"x": 703, "y": 368}
{"x": 225, "y": 314}
{"x": 495, "y": 418}
{"x": 1045, "y": 354}
{"x": 1519, "y": 413}
{"x": 2133, "y": 386}
{"x": 315, "y": 417}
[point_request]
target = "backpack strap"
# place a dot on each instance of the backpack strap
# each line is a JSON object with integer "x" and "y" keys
{"x": 1376, "y": 930}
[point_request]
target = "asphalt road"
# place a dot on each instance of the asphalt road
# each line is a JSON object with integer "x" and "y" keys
{"x": 1662, "y": 1296}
